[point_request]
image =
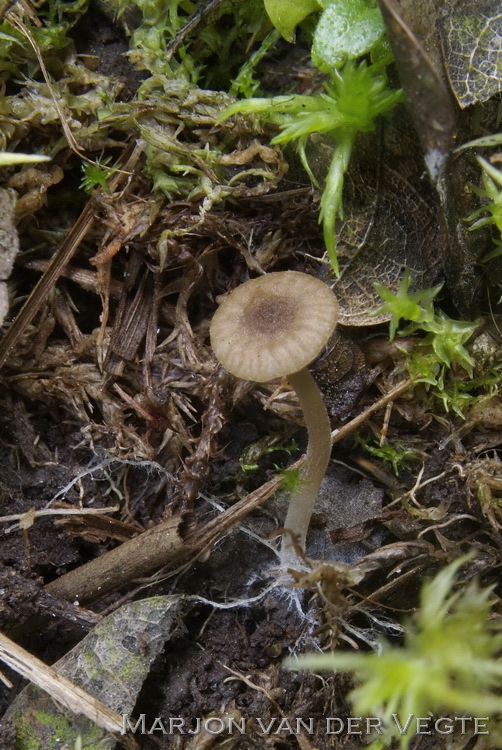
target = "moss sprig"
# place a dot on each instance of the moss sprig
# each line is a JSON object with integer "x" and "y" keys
{"x": 354, "y": 97}
{"x": 446, "y": 336}
{"x": 450, "y": 659}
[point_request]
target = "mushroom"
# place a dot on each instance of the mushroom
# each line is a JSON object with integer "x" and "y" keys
{"x": 271, "y": 327}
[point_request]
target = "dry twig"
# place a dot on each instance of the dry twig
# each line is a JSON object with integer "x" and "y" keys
{"x": 58, "y": 687}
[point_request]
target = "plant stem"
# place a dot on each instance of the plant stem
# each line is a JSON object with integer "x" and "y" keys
{"x": 314, "y": 468}
{"x": 331, "y": 200}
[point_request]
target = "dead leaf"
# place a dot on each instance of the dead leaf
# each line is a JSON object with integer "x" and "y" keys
{"x": 111, "y": 664}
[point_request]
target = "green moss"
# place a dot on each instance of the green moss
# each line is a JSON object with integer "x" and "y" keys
{"x": 449, "y": 660}
{"x": 355, "y": 96}
{"x": 442, "y": 347}
{"x": 43, "y": 728}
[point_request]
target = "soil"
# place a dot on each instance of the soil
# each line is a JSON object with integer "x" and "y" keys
{"x": 134, "y": 412}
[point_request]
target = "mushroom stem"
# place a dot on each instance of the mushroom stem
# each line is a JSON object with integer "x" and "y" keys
{"x": 314, "y": 468}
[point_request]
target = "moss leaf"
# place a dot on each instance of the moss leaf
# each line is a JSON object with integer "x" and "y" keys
{"x": 287, "y": 14}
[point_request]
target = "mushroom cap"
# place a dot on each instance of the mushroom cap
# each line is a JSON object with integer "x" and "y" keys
{"x": 273, "y": 325}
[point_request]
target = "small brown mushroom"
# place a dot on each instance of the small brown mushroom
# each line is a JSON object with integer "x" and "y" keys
{"x": 274, "y": 326}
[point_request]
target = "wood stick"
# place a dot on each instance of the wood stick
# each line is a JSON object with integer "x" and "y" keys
{"x": 152, "y": 550}
{"x": 391, "y": 395}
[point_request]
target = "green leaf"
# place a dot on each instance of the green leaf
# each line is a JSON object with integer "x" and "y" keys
{"x": 287, "y": 14}
{"x": 347, "y": 29}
